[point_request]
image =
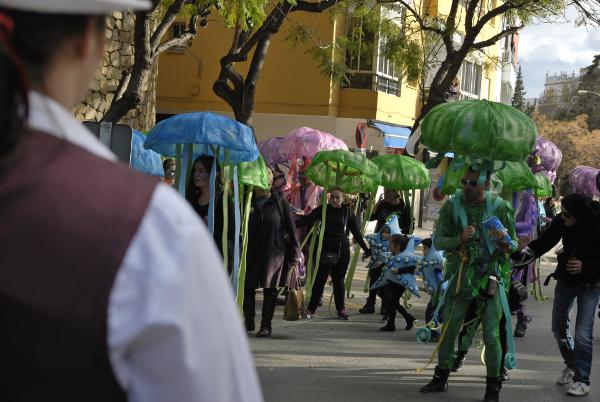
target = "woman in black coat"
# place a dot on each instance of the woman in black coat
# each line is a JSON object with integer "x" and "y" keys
{"x": 578, "y": 279}
{"x": 272, "y": 252}
{"x": 335, "y": 243}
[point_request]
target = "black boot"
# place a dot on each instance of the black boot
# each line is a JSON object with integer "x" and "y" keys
{"x": 439, "y": 383}
{"x": 268, "y": 310}
{"x": 410, "y": 321}
{"x": 249, "y": 307}
{"x": 459, "y": 361}
{"x": 368, "y": 308}
{"x": 492, "y": 389}
{"x": 520, "y": 329}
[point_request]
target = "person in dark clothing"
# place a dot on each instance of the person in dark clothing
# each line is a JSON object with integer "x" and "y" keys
{"x": 549, "y": 208}
{"x": 398, "y": 243}
{"x": 197, "y": 193}
{"x": 335, "y": 242}
{"x": 391, "y": 203}
{"x": 272, "y": 253}
{"x": 578, "y": 278}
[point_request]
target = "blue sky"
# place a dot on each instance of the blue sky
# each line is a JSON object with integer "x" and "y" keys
{"x": 554, "y": 48}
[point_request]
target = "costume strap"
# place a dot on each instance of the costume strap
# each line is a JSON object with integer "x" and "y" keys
{"x": 510, "y": 359}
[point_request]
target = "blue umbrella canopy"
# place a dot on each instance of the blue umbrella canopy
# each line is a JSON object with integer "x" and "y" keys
{"x": 206, "y": 131}
{"x": 144, "y": 160}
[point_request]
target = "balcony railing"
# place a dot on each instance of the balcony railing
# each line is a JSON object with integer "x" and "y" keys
{"x": 374, "y": 81}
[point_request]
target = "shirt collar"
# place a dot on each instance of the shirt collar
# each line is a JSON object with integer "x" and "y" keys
{"x": 48, "y": 116}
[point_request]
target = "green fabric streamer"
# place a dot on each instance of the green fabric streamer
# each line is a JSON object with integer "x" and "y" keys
{"x": 311, "y": 260}
{"x": 242, "y": 273}
{"x": 321, "y": 236}
{"x": 356, "y": 253}
{"x": 227, "y": 182}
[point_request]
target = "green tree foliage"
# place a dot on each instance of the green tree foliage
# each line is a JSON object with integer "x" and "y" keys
{"x": 518, "y": 100}
{"x": 411, "y": 29}
{"x": 589, "y": 103}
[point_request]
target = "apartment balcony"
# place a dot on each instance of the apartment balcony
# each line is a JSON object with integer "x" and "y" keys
{"x": 509, "y": 75}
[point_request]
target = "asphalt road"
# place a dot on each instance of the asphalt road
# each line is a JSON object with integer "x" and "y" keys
{"x": 325, "y": 359}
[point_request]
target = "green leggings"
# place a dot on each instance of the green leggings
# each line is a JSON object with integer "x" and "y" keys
{"x": 455, "y": 311}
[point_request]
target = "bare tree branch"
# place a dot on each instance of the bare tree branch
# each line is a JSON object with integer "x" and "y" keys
{"x": 311, "y": 7}
{"x": 494, "y": 39}
{"x": 180, "y": 40}
{"x": 165, "y": 23}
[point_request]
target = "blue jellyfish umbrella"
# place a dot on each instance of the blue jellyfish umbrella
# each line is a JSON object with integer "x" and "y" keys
{"x": 186, "y": 136}
{"x": 144, "y": 160}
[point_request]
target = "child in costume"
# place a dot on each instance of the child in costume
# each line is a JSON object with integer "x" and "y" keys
{"x": 379, "y": 244}
{"x": 431, "y": 270}
{"x": 400, "y": 276}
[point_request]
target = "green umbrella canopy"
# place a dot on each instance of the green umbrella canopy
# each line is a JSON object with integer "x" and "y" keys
{"x": 480, "y": 129}
{"x": 516, "y": 176}
{"x": 348, "y": 171}
{"x": 254, "y": 173}
{"x": 401, "y": 172}
{"x": 544, "y": 187}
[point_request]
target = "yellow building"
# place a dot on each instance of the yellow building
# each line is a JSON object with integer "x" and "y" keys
{"x": 292, "y": 92}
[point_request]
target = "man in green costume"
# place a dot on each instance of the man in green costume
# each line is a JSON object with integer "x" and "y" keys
{"x": 472, "y": 258}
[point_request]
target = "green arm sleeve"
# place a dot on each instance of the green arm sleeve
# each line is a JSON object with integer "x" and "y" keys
{"x": 447, "y": 233}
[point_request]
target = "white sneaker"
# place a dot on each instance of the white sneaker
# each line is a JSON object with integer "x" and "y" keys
{"x": 566, "y": 377}
{"x": 578, "y": 389}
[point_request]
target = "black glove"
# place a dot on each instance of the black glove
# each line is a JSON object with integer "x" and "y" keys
{"x": 367, "y": 253}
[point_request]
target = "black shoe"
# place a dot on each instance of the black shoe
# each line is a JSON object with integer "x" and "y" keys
{"x": 410, "y": 321}
{"x": 439, "y": 383}
{"x": 520, "y": 329}
{"x": 492, "y": 389}
{"x": 504, "y": 374}
{"x": 388, "y": 328}
{"x": 367, "y": 309}
{"x": 459, "y": 361}
{"x": 263, "y": 333}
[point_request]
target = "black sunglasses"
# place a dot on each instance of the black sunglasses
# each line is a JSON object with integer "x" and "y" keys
{"x": 472, "y": 183}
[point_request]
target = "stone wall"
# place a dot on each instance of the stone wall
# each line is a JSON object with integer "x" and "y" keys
{"x": 118, "y": 57}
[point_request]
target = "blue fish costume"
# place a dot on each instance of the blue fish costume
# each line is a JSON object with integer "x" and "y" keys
{"x": 379, "y": 247}
{"x": 431, "y": 269}
{"x": 407, "y": 258}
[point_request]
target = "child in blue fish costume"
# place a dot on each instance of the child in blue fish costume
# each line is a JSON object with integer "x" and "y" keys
{"x": 399, "y": 277}
{"x": 432, "y": 272}
{"x": 379, "y": 246}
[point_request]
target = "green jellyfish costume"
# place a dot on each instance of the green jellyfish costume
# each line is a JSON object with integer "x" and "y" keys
{"x": 484, "y": 136}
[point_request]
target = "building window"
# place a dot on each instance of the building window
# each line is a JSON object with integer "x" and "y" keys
{"x": 177, "y": 29}
{"x": 470, "y": 83}
{"x": 368, "y": 68}
{"x": 359, "y": 56}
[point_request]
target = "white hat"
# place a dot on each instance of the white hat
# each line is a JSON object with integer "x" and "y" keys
{"x": 85, "y": 7}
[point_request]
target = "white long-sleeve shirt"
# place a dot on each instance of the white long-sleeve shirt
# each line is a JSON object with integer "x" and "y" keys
{"x": 174, "y": 332}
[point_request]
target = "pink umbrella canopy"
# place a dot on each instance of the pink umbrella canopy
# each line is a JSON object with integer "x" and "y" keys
{"x": 549, "y": 157}
{"x": 583, "y": 180}
{"x": 305, "y": 142}
{"x": 271, "y": 150}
